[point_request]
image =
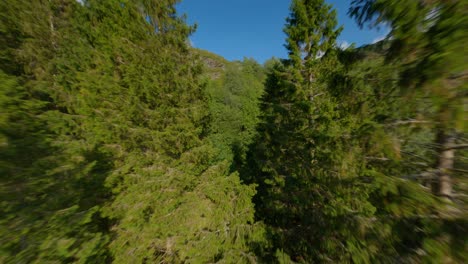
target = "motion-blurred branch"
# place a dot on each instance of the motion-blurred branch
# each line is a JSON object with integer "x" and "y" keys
{"x": 459, "y": 146}
{"x": 410, "y": 121}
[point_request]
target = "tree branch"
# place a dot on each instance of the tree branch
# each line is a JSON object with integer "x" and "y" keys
{"x": 459, "y": 170}
{"x": 377, "y": 158}
{"x": 416, "y": 156}
{"x": 459, "y": 146}
{"x": 411, "y": 121}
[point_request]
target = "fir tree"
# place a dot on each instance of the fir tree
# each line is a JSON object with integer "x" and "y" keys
{"x": 308, "y": 167}
{"x": 121, "y": 124}
{"x": 426, "y": 47}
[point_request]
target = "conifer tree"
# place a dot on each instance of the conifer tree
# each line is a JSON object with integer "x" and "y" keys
{"x": 52, "y": 188}
{"x": 308, "y": 167}
{"x": 427, "y": 37}
{"x": 426, "y": 47}
{"x": 120, "y": 122}
{"x": 366, "y": 87}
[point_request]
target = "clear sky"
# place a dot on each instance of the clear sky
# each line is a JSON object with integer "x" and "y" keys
{"x": 236, "y": 29}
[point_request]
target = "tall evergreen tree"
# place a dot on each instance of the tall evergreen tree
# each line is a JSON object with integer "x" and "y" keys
{"x": 51, "y": 189}
{"x": 306, "y": 162}
{"x": 366, "y": 87}
{"x": 426, "y": 45}
{"x": 120, "y": 170}
{"x": 427, "y": 37}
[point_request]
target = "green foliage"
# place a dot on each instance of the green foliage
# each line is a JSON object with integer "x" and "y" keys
{"x": 235, "y": 107}
{"x": 103, "y": 155}
{"x": 306, "y": 162}
{"x": 428, "y": 37}
{"x": 426, "y": 46}
{"x": 121, "y": 143}
{"x": 331, "y": 160}
{"x": 311, "y": 31}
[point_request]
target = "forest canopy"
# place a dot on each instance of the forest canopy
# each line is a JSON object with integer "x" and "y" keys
{"x": 122, "y": 143}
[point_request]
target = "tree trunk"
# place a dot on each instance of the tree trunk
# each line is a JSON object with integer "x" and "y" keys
{"x": 443, "y": 186}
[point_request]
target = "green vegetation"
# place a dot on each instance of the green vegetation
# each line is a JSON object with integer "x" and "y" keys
{"x": 234, "y": 107}
{"x": 120, "y": 143}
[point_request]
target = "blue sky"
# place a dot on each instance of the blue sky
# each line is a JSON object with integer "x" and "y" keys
{"x": 236, "y": 29}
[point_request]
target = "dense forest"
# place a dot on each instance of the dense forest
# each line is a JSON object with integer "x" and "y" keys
{"x": 121, "y": 143}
